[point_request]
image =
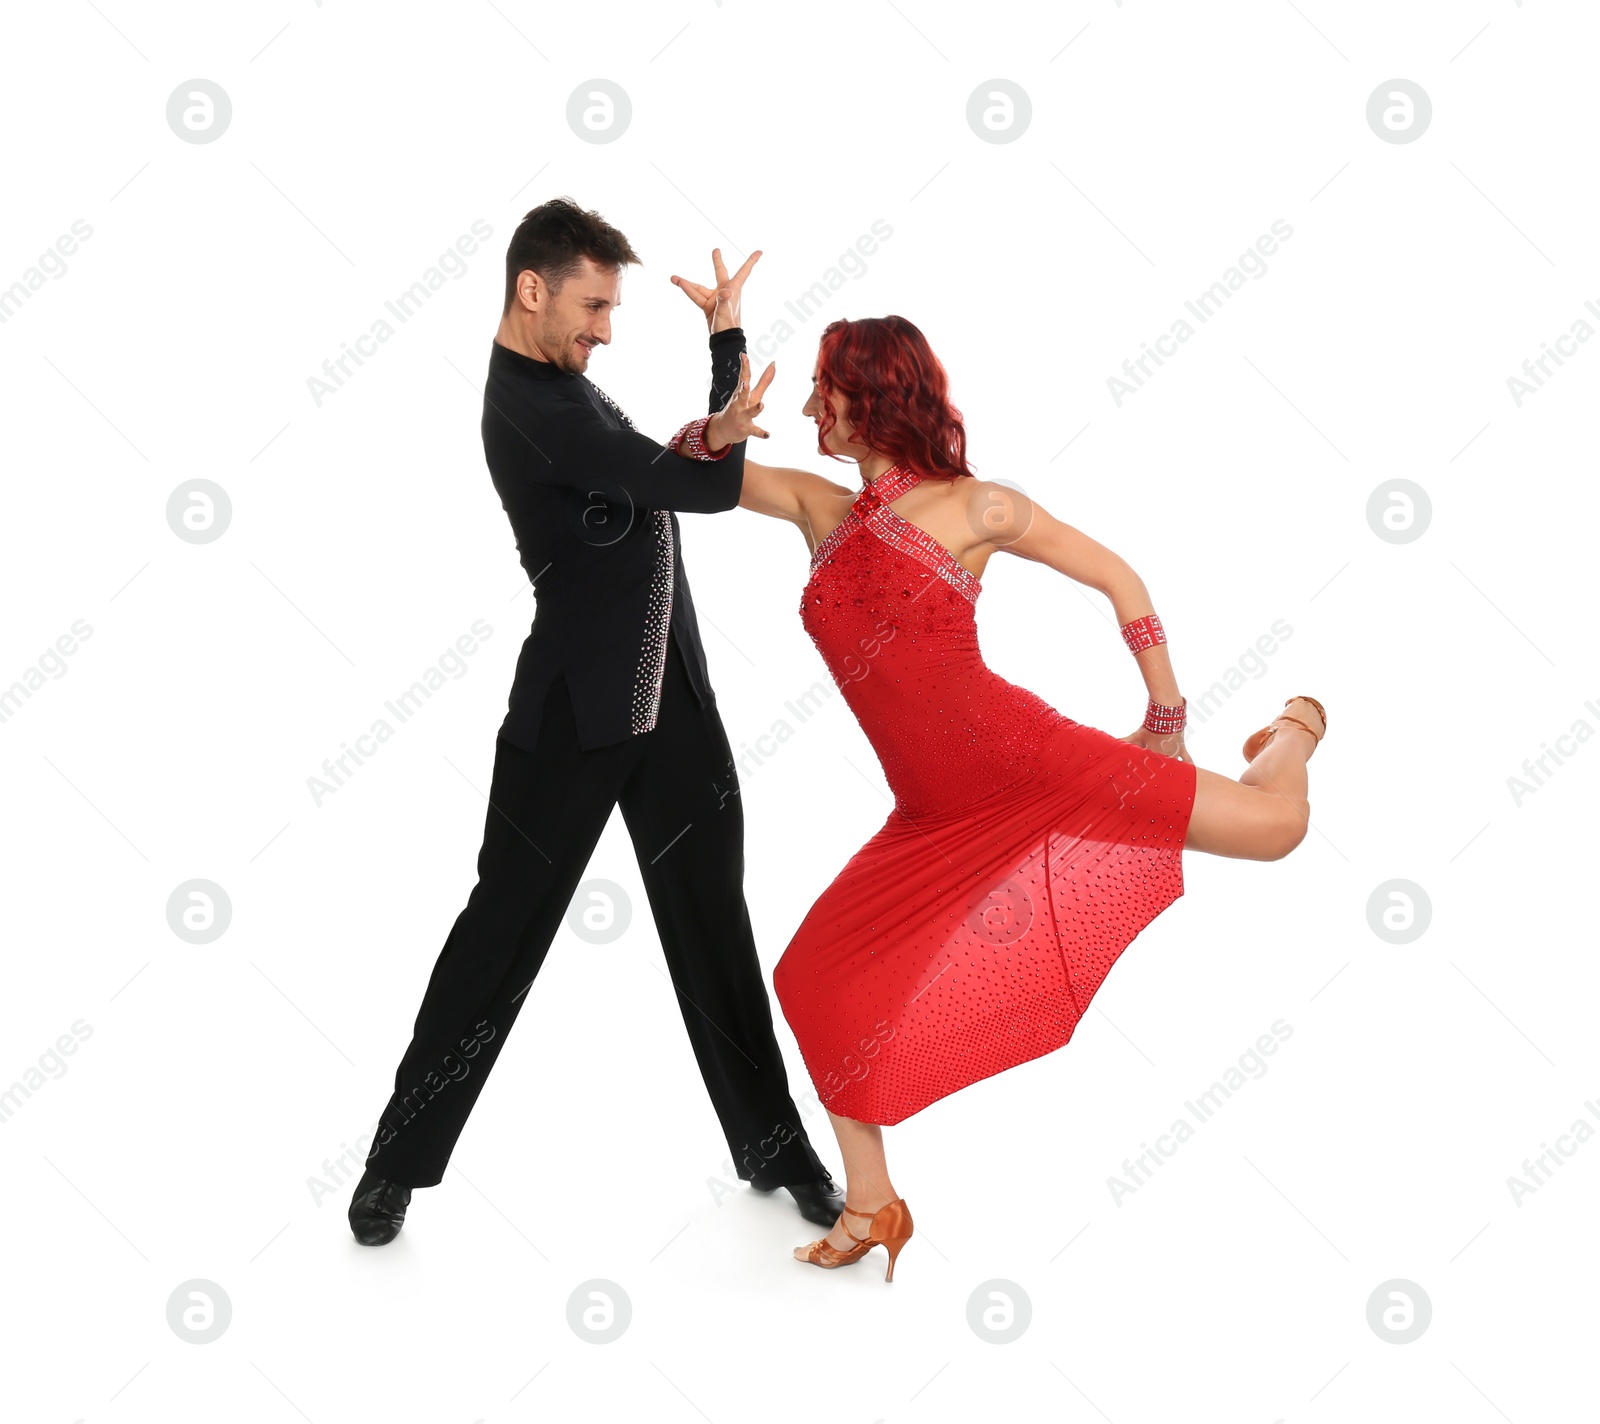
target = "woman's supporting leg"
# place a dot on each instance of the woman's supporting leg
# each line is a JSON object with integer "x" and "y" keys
{"x": 1265, "y": 813}
{"x": 867, "y": 1185}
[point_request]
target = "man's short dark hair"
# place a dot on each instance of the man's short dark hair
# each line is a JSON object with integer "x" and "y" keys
{"x": 554, "y": 238}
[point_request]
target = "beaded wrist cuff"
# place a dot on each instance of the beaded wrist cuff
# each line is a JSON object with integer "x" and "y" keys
{"x": 691, "y": 441}
{"x": 1158, "y": 718}
{"x": 1143, "y": 633}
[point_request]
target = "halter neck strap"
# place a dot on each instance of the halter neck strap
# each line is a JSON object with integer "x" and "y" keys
{"x": 888, "y": 487}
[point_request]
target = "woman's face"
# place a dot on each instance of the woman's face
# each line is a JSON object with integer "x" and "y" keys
{"x": 840, "y": 439}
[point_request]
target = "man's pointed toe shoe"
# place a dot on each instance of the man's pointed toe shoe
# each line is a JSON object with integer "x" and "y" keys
{"x": 378, "y": 1209}
{"x": 820, "y": 1202}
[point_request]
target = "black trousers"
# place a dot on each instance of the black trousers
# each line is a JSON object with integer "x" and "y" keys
{"x": 548, "y": 807}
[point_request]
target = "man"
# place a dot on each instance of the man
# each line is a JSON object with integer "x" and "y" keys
{"x": 611, "y": 705}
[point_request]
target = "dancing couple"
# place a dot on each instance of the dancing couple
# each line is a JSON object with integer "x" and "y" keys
{"x": 1025, "y": 850}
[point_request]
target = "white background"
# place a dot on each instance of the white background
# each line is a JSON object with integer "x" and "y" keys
{"x": 184, "y": 1137}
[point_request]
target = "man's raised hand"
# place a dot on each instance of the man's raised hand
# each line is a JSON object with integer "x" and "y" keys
{"x": 736, "y": 421}
{"x": 721, "y": 302}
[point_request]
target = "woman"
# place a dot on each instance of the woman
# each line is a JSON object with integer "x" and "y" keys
{"x": 1025, "y": 850}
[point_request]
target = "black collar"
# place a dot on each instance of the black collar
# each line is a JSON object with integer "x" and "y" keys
{"x": 528, "y": 365}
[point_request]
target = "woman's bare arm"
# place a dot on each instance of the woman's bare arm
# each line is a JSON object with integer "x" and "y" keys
{"x": 784, "y": 493}
{"x": 1017, "y": 525}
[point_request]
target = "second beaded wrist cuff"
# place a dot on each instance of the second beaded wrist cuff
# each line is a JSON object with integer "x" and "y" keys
{"x": 1163, "y": 719}
{"x": 690, "y": 440}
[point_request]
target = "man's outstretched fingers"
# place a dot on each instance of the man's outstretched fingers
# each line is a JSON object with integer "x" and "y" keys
{"x": 702, "y": 297}
{"x": 744, "y": 271}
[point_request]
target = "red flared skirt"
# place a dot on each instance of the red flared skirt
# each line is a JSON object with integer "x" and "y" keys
{"x": 962, "y": 943}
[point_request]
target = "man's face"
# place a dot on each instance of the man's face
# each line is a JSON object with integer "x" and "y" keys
{"x": 578, "y": 318}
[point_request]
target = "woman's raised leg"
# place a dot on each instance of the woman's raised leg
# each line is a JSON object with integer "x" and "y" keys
{"x": 1265, "y": 813}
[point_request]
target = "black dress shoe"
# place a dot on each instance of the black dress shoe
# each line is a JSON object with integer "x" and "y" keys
{"x": 820, "y": 1202}
{"x": 378, "y": 1209}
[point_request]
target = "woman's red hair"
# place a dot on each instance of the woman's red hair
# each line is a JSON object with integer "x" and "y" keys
{"x": 897, "y": 394}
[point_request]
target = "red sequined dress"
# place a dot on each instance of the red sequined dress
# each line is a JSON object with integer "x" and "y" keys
{"x": 1024, "y": 853}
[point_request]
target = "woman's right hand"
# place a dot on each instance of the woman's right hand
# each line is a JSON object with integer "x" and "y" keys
{"x": 736, "y": 421}
{"x": 1167, "y": 743}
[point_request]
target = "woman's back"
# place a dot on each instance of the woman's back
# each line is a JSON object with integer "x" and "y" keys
{"x": 891, "y": 610}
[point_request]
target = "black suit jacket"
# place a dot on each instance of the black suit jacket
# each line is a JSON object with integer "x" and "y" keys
{"x": 592, "y": 504}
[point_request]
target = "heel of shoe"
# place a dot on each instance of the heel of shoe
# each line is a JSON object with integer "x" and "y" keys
{"x": 892, "y": 1226}
{"x": 894, "y": 1248}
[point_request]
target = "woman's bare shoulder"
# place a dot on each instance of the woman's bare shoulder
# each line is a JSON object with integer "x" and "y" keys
{"x": 997, "y": 511}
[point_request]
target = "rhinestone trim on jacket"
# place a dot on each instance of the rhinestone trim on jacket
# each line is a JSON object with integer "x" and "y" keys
{"x": 652, "y": 666}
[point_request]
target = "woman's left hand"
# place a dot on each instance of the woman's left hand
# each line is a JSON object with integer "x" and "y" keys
{"x": 1167, "y": 743}
{"x": 736, "y": 421}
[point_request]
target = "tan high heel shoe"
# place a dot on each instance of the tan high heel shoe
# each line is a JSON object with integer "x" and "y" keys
{"x": 1257, "y": 740}
{"x": 889, "y": 1227}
